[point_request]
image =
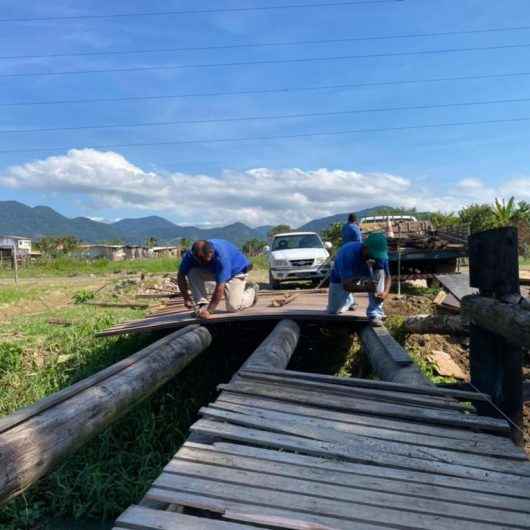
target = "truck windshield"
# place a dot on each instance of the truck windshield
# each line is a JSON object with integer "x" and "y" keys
{"x": 296, "y": 241}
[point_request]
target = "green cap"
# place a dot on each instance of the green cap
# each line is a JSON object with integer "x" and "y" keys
{"x": 377, "y": 246}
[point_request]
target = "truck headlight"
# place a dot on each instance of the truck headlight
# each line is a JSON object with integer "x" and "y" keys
{"x": 320, "y": 261}
{"x": 280, "y": 263}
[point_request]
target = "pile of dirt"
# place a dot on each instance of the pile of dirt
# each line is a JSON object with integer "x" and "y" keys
{"x": 408, "y": 305}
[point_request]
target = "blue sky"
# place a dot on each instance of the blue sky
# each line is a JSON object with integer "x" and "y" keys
{"x": 273, "y": 180}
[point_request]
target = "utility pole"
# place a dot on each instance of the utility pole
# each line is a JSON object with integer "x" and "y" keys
{"x": 15, "y": 261}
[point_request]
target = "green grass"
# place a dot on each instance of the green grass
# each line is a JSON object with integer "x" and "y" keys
{"x": 114, "y": 469}
{"x": 14, "y": 294}
{"x": 67, "y": 266}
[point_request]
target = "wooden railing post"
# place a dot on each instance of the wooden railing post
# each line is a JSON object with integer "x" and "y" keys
{"x": 495, "y": 362}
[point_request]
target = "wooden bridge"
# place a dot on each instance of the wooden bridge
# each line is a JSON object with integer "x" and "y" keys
{"x": 284, "y": 449}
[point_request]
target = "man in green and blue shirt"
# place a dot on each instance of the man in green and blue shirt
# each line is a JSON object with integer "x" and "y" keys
{"x": 358, "y": 261}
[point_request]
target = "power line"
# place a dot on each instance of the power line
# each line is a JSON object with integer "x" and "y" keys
{"x": 269, "y": 117}
{"x": 202, "y": 11}
{"x": 269, "y": 44}
{"x": 280, "y": 137}
{"x": 282, "y": 90}
{"x": 267, "y": 61}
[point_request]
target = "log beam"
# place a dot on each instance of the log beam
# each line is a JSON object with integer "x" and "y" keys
{"x": 277, "y": 349}
{"x": 437, "y": 325}
{"x": 382, "y": 349}
{"x": 511, "y": 321}
{"x": 34, "y": 447}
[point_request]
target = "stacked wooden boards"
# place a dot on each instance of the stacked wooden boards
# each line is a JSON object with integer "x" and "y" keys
{"x": 309, "y": 305}
{"x": 283, "y": 449}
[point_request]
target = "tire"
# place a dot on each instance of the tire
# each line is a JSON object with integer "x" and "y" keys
{"x": 274, "y": 284}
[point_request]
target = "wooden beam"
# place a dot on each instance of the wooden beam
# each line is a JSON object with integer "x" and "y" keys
{"x": 499, "y": 331}
{"x": 32, "y": 448}
{"x": 507, "y": 320}
{"x": 276, "y": 350}
{"x": 382, "y": 350}
{"x": 437, "y": 325}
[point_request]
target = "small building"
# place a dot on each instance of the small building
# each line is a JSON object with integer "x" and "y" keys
{"x": 99, "y": 251}
{"x": 20, "y": 244}
{"x": 136, "y": 252}
{"x": 158, "y": 252}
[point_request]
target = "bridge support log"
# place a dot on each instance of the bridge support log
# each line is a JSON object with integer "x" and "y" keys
{"x": 276, "y": 350}
{"x": 35, "y": 446}
{"x": 437, "y": 325}
{"x": 389, "y": 359}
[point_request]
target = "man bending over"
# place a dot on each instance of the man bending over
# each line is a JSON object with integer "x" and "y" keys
{"x": 360, "y": 262}
{"x": 219, "y": 266}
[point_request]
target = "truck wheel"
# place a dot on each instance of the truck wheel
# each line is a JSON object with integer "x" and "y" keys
{"x": 274, "y": 284}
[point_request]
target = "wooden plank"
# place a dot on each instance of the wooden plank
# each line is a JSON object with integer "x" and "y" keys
{"x": 350, "y": 441}
{"x": 322, "y": 490}
{"x": 272, "y": 467}
{"x": 336, "y": 402}
{"x": 350, "y": 453}
{"x": 331, "y": 464}
{"x": 457, "y": 284}
{"x": 396, "y": 352}
{"x": 370, "y": 431}
{"x": 24, "y": 414}
{"x": 355, "y": 511}
{"x": 142, "y": 518}
{"x": 308, "y": 307}
{"x": 258, "y": 513}
{"x": 394, "y": 426}
{"x": 376, "y": 384}
{"x": 372, "y": 394}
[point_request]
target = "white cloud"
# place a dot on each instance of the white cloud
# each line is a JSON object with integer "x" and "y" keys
{"x": 257, "y": 196}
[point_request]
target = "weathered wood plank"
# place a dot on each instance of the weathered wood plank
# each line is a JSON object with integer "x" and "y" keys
{"x": 336, "y": 402}
{"x": 453, "y": 325}
{"x": 209, "y": 455}
{"x": 144, "y": 518}
{"x": 331, "y": 463}
{"x": 372, "y": 394}
{"x": 355, "y": 511}
{"x": 350, "y": 453}
{"x": 376, "y": 384}
{"x": 322, "y": 490}
{"x": 492, "y": 449}
{"x": 258, "y": 513}
{"x": 436, "y": 431}
{"x": 313, "y": 430}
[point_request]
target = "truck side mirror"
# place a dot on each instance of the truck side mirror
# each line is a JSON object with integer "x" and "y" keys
{"x": 328, "y": 245}
{"x": 266, "y": 248}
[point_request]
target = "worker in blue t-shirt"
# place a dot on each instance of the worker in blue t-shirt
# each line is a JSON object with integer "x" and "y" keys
{"x": 351, "y": 231}
{"x": 220, "y": 268}
{"x": 355, "y": 262}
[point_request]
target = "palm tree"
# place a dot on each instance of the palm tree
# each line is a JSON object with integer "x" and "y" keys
{"x": 505, "y": 213}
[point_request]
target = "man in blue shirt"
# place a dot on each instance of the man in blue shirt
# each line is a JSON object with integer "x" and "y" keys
{"x": 351, "y": 231}
{"x": 356, "y": 262}
{"x": 219, "y": 268}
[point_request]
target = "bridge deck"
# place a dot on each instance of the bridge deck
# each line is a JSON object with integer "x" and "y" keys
{"x": 281, "y": 449}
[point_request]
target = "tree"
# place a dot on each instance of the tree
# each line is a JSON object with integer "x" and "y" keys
{"x": 509, "y": 213}
{"x": 478, "y": 216}
{"x": 333, "y": 234}
{"x": 253, "y": 247}
{"x": 440, "y": 219}
{"x": 151, "y": 242}
{"x": 54, "y": 245}
{"x": 185, "y": 243}
{"x": 278, "y": 229}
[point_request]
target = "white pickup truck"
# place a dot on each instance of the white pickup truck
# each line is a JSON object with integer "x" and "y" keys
{"x": 297, "y": 256}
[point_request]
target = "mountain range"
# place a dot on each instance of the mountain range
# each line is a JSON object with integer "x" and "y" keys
{"x": 39, "y": 221}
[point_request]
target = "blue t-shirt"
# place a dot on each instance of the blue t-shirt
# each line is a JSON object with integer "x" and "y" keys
{"x": 228, "y": 261}
{"x": 351, "y": 232}
{"x": 349, "y": 264}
